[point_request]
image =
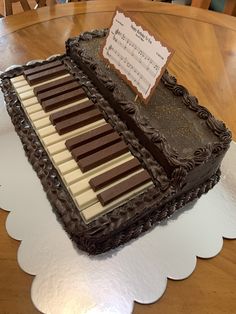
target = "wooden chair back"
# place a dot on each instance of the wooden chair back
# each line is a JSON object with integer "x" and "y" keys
{"x": 229, "y": 8}
{"x": 8, "y": 7}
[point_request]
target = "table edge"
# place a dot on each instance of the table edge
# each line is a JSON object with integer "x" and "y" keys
{"x": 22, "y": 20}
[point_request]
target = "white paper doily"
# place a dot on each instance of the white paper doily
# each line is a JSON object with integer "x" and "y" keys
{"x": 69, "y": 281}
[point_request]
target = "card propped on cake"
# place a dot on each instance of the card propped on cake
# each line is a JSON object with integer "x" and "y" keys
{"x": 139, "y": 56}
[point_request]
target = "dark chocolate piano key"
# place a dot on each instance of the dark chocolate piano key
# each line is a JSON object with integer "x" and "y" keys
{"x": 114, "y": 174}
{"x": 62, "y": 100}
{"x": 42, "y": 67}
{"x": 58, "y": 91}
{"x": 89, "y": 136}
{"x": 71, "y": 111}
{"x": 96, "y": 145}
{"x": 57, "y": 83}
{"x": 46, "y": 75}
{"x": 102, "y": 156}
{"x": 78, "y": 121}
{"x": 123, "y": 187}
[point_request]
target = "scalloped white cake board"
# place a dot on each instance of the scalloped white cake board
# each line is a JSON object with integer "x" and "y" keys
{"x": 68, "y": 280}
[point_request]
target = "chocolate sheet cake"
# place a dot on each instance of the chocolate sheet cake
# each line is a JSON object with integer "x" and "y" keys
{"x": 111, "y": 167}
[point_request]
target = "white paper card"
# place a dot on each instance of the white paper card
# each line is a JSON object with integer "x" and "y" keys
{"x": 136, "y": 54}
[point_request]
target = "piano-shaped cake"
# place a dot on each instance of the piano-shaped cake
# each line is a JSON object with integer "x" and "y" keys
{"x": 111, "y": 167}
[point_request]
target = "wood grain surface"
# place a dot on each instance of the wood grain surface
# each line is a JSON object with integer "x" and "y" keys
{"x": 204, "y": 61}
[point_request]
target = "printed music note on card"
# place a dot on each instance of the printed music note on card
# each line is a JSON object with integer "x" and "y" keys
{"x": 138, "y": 56}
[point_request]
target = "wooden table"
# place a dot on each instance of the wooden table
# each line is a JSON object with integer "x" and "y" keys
{"x": 204, "y": 61}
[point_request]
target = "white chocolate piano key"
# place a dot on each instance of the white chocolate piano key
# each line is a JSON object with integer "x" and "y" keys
{"x": 41, "y": 114}
{"x": 33, "y": 109}
{"x": 27, "y": 95}
{"x": 57, "y": 148}
{"x": 30, "y": 102}
{"x": 89, "y": 197}
{"x": 42, "y": 123}
{"x": 73, "y": 176}
{"x": 80, "y": 187}
{"x": 77, "y": 174}
{"x": 61, "y": 157}
{"x": 20, "y": 84}
{"x": 54, "y": 138}
{"x": 47, "y": 131}
{"x": 17, "y": 79}
{"x": 60, "y": 145}
{"x": 97, "y": 209}
{"x": 51, "y": 80}
{"x": 23, "y": 86}
{"x": 20, "y": 81}
{"x": 86, "y": 199}
{"x": 68, "y": 166}
{"x": 75, "y": 188}
{"x": 23, "y": 89}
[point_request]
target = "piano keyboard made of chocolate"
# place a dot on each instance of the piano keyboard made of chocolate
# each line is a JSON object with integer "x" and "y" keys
{"x": 92, "y": 159}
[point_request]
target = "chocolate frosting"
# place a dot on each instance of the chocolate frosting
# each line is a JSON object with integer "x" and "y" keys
{"x": 139, "y": 214}
{"x": 149, "y": 136}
